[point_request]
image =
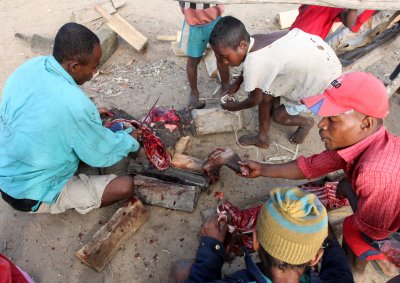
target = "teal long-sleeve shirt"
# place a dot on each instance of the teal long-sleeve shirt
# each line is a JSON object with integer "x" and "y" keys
{"x": 47, "y": 125}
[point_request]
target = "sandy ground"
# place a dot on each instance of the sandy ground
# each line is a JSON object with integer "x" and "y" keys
{"x": 43, "y": 245}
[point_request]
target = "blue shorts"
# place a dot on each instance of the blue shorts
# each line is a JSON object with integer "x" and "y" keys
{"x": 194, "y": 39}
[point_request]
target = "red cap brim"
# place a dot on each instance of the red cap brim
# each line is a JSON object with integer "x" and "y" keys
{"x": 322, "y": 106}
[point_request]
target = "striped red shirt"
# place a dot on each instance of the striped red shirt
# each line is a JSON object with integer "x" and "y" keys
{"x": 373, "y": 168}
{"x": 199, "y": 14}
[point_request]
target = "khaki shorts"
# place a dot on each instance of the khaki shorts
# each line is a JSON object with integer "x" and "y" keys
{"x": 82, "y": 192}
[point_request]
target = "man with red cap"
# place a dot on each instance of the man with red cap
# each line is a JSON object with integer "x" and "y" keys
{"x": 352, "y": 110}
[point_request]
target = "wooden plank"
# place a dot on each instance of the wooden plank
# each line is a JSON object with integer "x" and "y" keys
{"x": 108, "y": 240}
{"x": 88, "y": 14}
{"x": 287, "y": 18}
{"x": 170, "y": 195}
{"x": 118, "y": 24}
{"x": 350, "y": 4}
{"x": 360, "y": 59}
{"x": 176, "y": 37}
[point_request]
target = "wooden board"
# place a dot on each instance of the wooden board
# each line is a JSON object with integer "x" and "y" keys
{"x": 108, "y": 240}
{"x": 350, "y": 4}
{"x": 108, "y": 41}
{"x": 216, "y": 120}
{"x": 176, "y": 37}
{"x": 88, "y": 14}
{"x": 124, "y": 29}
{"x": 287, "y": 18}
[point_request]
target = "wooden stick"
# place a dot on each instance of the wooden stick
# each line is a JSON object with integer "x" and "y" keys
{"x": 170, "y": 195}
{"x": 107, "y": 241}
{"x": 118, "y": 24}
{"x": 351, "y": 4}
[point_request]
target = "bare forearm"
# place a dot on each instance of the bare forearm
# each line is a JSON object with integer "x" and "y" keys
{"x": 288, "y": 170}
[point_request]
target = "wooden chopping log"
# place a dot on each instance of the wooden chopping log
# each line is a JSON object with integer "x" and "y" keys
{"x": 143, "y": 167}
{"x": 216, "y": 120}
{"x": 105, "y": 243}
{"x": 170, "y": 195}
{"x": 118, "y": 24}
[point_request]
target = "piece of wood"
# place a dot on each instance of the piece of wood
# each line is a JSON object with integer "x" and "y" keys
{"x": 142, "y": 166}
{"x": 108, "y": 41}
{"x": 108, "y": 240}
{"x": 177, "y": 50}
{"x": 211, "y": 63}
{"x": 88, "y": 14}
{"x": 361, "y": 58}
{"x": 187, "y": 163}
{"x": 118, "y": 24}
{"x": 350, "y": 4}
{"x": 170, "y": 195}
{"x": 176, "y": 37}
{"x": 287, "y": 18}
{"x": 393, "y": 86}
{"x": 216, "y": 120}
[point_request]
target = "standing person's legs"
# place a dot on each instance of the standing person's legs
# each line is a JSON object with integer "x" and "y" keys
{"x": 281, "y": 116}
{"x": 191, "y": 71}
{"x": 357, "y": 265}
{"x": 85, "y": 193}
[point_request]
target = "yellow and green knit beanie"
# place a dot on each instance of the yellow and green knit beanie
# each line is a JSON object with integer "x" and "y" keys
{"x": 292, "y": 225}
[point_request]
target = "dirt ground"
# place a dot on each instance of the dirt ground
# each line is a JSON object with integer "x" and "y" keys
{"x": 43, "y": 245}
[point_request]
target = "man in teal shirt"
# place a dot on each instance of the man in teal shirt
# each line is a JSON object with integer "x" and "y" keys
{"x": 48, "y": 125}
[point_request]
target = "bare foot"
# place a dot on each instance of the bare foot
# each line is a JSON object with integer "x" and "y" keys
{"x": 219, "y": 158}
{"x": 247, "y": 140}
{"x": 301, "y": 132}
{"x": 194, "y": 102}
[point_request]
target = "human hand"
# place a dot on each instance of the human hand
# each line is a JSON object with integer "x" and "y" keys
{"x": 105, "y": 111}
{"x": 254, "y": 168}
{"x": 136, "y": 134}
{"x": 229, "y": 105}
{"x": 213, "y": 228}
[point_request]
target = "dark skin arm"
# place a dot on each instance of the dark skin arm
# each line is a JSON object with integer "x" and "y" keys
{"x": 234, "y": 87}
{"x": 349, "y": 17}
{"x": 255, "y": 97}
{"x": 344, "y": 189}
{"x": 288, "y": 170}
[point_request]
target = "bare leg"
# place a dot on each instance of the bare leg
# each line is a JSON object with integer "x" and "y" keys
{"x": 118, "y": 189}
{"x": 264, "y": 120}
{"x": 180, "y": 271}
{"x": 191, "y": 71}
{"x": 304, "y": 124}
{"x": 223, "y": 70}
{"x": 357, "y": 265}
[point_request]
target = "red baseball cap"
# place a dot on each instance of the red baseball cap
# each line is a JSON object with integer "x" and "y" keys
{"x": 357, "y": 91}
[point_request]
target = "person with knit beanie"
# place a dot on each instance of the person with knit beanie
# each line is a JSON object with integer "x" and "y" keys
{"x": 291, "y": 238}
{"x": 352, "y": 109}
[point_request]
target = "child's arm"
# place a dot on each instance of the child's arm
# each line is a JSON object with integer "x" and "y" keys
{"x": 255, "y": 97}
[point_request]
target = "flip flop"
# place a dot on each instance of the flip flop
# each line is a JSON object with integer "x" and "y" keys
{"x": 380, "y": 271}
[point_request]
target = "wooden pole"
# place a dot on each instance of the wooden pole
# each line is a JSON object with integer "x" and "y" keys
{"x": 107, "y": 241}
{"x": 351, "y": 4}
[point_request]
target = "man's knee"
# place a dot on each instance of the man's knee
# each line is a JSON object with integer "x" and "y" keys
{"x": 193, "y": 62}
{"x": 180, "y": 271}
